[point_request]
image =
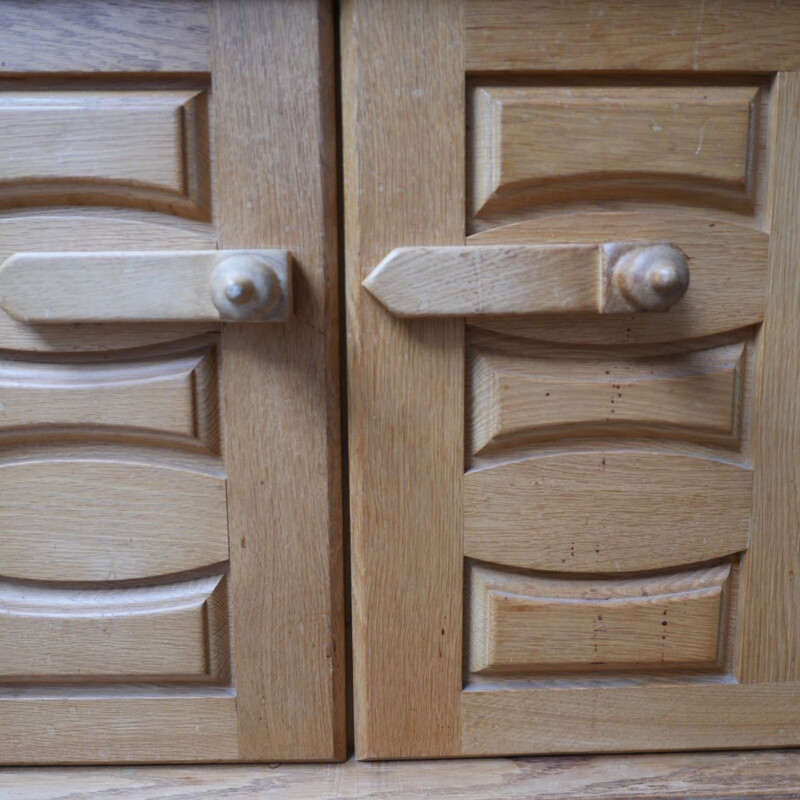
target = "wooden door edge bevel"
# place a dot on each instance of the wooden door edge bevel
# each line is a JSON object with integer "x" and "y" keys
{"x": 405, "y": 384}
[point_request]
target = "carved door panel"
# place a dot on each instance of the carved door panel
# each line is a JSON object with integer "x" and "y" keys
{"x": 163, "y": 594}
{"x": 574, "y": 522}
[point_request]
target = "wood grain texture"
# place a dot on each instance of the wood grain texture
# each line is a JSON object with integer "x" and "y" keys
{"x": 141, "y": 148}
{"x": 527, "y": 623}
{"x": 95, "y": 230}
{"x": 759, "y": 775}
{"x": 171, "y": 400}
{"x": 96, "y": 520}
{"x": 105, "y": 36}
{"x": 404, "y": 186}
{"x": 152, "y": 286}
{"x": 61, "y": 726}
{"x": 726, "y": 292}
{"x": 463, "y": 281}
{"x": 276, "y": 186}
{"x": 770, "y": 633}
{"x": 172, "y": 632}
{"x": 526, "y": 392}
{"x": 552, "y": 145}
{"x": 615, "y": 717}
{"x": 607, "y": 512}
{"x": 694, "y": 36}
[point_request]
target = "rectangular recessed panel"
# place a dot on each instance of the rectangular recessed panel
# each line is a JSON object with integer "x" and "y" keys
{"x": 99, "y": 520}
{"x": 139, "y": 148}
{"x": 157, "y": 399}
{"x": 171, "y": 632}
{"x": 539, "y": 145}
{"x": 525, "y": 623}
{"x": 607, "y": 511}
{"x": 534, "y": 392}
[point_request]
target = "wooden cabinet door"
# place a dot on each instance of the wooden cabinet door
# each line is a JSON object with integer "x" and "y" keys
{"x": 170, "y": 569}
{"x": 572, "y": 530}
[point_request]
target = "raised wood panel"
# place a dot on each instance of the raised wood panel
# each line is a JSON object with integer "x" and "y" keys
{"x": 176, "y": 632}
{"x": 171, "y": 400}
{"x": 524, "y": 392}
{"x": 726, "y": 292}
{"x": 146, "y": 149}
{"x": 96, "y": 520}
{"x": 529, "y": 624}
{"x": 106, "y": 36}
{"x": 607, "y": 511}
{"x": 691, "y": 36}
{"x": 93, "y": 230}
{"x": 553, "y": 145}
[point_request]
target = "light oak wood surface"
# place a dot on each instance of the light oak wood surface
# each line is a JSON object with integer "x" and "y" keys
{"x": 526, "y": 392}
{"x": 770, "y": 637}
{"x": 174, "y": 600}
{"x": 87, "y": 147}
{"x": 759, "y": 775}
{"x": 693, "y": 36}
{"x": 147, "y": 287}
{"x": 548, "y": 145}
{"x": 276, "y": 183}
{"x": 405, "y": 377}
{"x": 527, "y": 623}
{"x": 586, "y": 512}
{"x": 137, "y": 36}
{"x": 553, "y": 159}
{"x": 59, "y": 635}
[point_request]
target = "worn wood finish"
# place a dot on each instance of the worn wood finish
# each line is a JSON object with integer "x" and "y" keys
{"x": 770, "y": 637}
{"x": 759, "y": 775}
{"x": 106, "y": 36}
{"x": 686, "y": 37}
{"x": 525, "y": 624}
{"x": 275, "y": 140}
{"x": 549, "y": 145}
{"x": 146, "y": 287}
{"x": 583, "y": 512}
{"x": 527, "y": 392}
{"x": 405, "y": 384}
{"x": 167, "y": 633}
{"x": 115, "y": 146}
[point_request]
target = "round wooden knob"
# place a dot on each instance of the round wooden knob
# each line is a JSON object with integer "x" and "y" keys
{"x": 653, "y": 278}
{"x": 244, "y": 287}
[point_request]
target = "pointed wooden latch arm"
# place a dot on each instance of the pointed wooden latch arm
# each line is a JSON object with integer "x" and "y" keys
{"x": 608, "y": 278}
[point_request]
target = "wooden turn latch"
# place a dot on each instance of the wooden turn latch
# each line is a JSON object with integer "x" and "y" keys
{"x": 148, "y": 286}
{"x": 609, "y": 278}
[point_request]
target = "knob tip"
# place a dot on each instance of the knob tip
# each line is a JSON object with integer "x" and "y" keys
{"x": 244, "y": 287}
{"x": 652, "y": 278}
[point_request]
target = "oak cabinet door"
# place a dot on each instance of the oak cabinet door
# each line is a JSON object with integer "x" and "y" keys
{"x": 170, "y": 569}
{"x": 574, "y": 518}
